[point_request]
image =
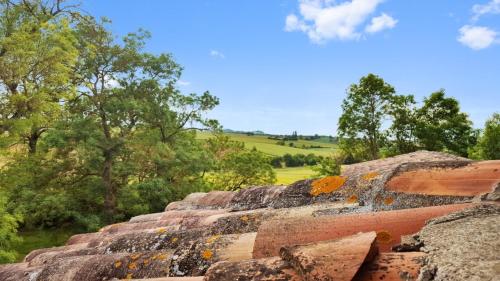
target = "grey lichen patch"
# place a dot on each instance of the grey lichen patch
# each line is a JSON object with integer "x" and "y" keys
{"x": 132, "y": 243}
{"x": 463, "y": 245}
{"x": 194, "y": 258}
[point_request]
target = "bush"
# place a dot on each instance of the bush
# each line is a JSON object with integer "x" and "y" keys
{"x": 8, "y": 233}
{"x": 330, "y": 166}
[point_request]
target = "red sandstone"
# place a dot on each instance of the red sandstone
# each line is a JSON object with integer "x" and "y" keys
{"x": 389, "y": 225}
{"x": 470, "y": 180}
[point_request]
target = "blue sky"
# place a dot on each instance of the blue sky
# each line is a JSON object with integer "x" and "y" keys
{"x": 284, "y": 65}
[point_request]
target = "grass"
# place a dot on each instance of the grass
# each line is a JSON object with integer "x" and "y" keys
{"x": 269, "y": 146}
{"x": 38, "y": 239}
{"x": 291, "y": 175}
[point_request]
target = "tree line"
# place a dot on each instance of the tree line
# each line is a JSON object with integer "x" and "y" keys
{"x": 377, "y": 122}
{"x": 93, "y": 128}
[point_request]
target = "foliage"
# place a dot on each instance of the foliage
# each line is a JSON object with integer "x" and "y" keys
{"x": 37, "y": 56}
{"x": 402, "y": 131}
{"x": 8, "y": 233}
{"x": 488, "y": 145}
{"x": 438, "y": 125}
{"x": 236, "y": 167}
{"x": 330, "y": 166}
{"x": 441, "y": 126}
{"x": 363, "y": 112}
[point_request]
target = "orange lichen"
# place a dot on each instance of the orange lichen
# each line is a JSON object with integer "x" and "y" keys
{"x": 174, "y": 239}
{"x": 384, "y": 237}
{"x": 135, "y": 256}
{"x": 129, "y": 276}
{"x": 207, "y": 254}
{"x": 213, "y": 238}
{"x": 145, "y": 262}
{"x": 160, "y": 257}
{"x": 118, "y": 264}
{"x": 370, "y": 176}
{"x": 326, "y": 185}
{"x": 132, "y": 266}
{"x": 353, "y": 199}
{"x": 161, "y": 230}
{"x": 388, "y": 201}
{"x": 244, "y": 218}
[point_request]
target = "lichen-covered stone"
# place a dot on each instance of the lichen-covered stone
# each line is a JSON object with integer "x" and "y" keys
{"x": 337, "y": 259}
{"x": 462, "y": 246}
{"x": 254, "y": 197}
{"x": 269, "y": 269}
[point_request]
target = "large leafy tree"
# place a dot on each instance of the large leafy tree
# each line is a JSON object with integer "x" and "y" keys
{"x": 488, "y": 145}
{"x": 124, "y": 92}
{"x": 363, "y": 112}
{"x": 441, "y": 126}
{"x": 401, "y": 133}
{"x": 37, "y": 55}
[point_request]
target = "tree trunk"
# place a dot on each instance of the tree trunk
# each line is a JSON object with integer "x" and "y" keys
{"x": 110, "y": 197}
{"x": 32, "y": 142}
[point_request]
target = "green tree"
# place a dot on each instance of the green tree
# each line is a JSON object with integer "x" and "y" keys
{"x": 363, "y": 112}
{"x": 8, "y": 233}
{"x": 236, "y": 167}
{"x": 442, "y": 127}
{"x": 127, "y": 102}
{"x": 37, "y": 55}
{"x": 330, "y": 166}
{"x": 488, "y": 145}
{"x": 401, "y": 133}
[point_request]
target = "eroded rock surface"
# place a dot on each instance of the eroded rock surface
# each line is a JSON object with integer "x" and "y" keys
{"x": 238, "y": 235}
{"x": 463, "y": 246}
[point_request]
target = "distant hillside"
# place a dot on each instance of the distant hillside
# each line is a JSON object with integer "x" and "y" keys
{"x": 277, "y": 145}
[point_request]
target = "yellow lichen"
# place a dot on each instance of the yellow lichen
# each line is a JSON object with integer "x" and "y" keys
{"x": 129, "y": 276}
{"x": 161, "y": 230}
{"x": 384, "y": 237}
{"x": 118, "y": 264}
{"x": 174, "y": 239}
{"x": 370, "y": 176}
{"x": 145, "y": 262}
{"x": 353, "y": 199}
{"x": 132, "y": 266}
{"x": 388, "y": 201}
{"x": 244, "y": 218}
{"x": 160, "y": 257}
{"x": 326, "y": 185}
{"x": 135, "y": 256}
{"x": 213, "y": 238}
{"x": 207, "y": 254}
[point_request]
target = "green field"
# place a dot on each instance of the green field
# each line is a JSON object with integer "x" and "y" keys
{"x": 287, "y": 176}
{"x": 269, "y": 146}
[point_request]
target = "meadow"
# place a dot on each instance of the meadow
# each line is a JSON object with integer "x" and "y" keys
{"x": 285, "y": 175}
{"x": 270, "y": 146}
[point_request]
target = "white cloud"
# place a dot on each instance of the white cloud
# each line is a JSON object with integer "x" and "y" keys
{"x": 183, "y": 83}
{"x": 324, "y": 20}
{"x": 477, "y": 37}
{"x": 492, "y": 7}
{"x": 217, "y": 54}
{"x": 380, "y": 23}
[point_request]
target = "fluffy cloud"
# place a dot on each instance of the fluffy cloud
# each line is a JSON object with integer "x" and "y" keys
{"x": 323, "y": 20}
{"x": 217, "y": 54}
{"x": 492, "y": 7}
{"x": 477, "y": 37}
{"x": 380, "y": 23}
